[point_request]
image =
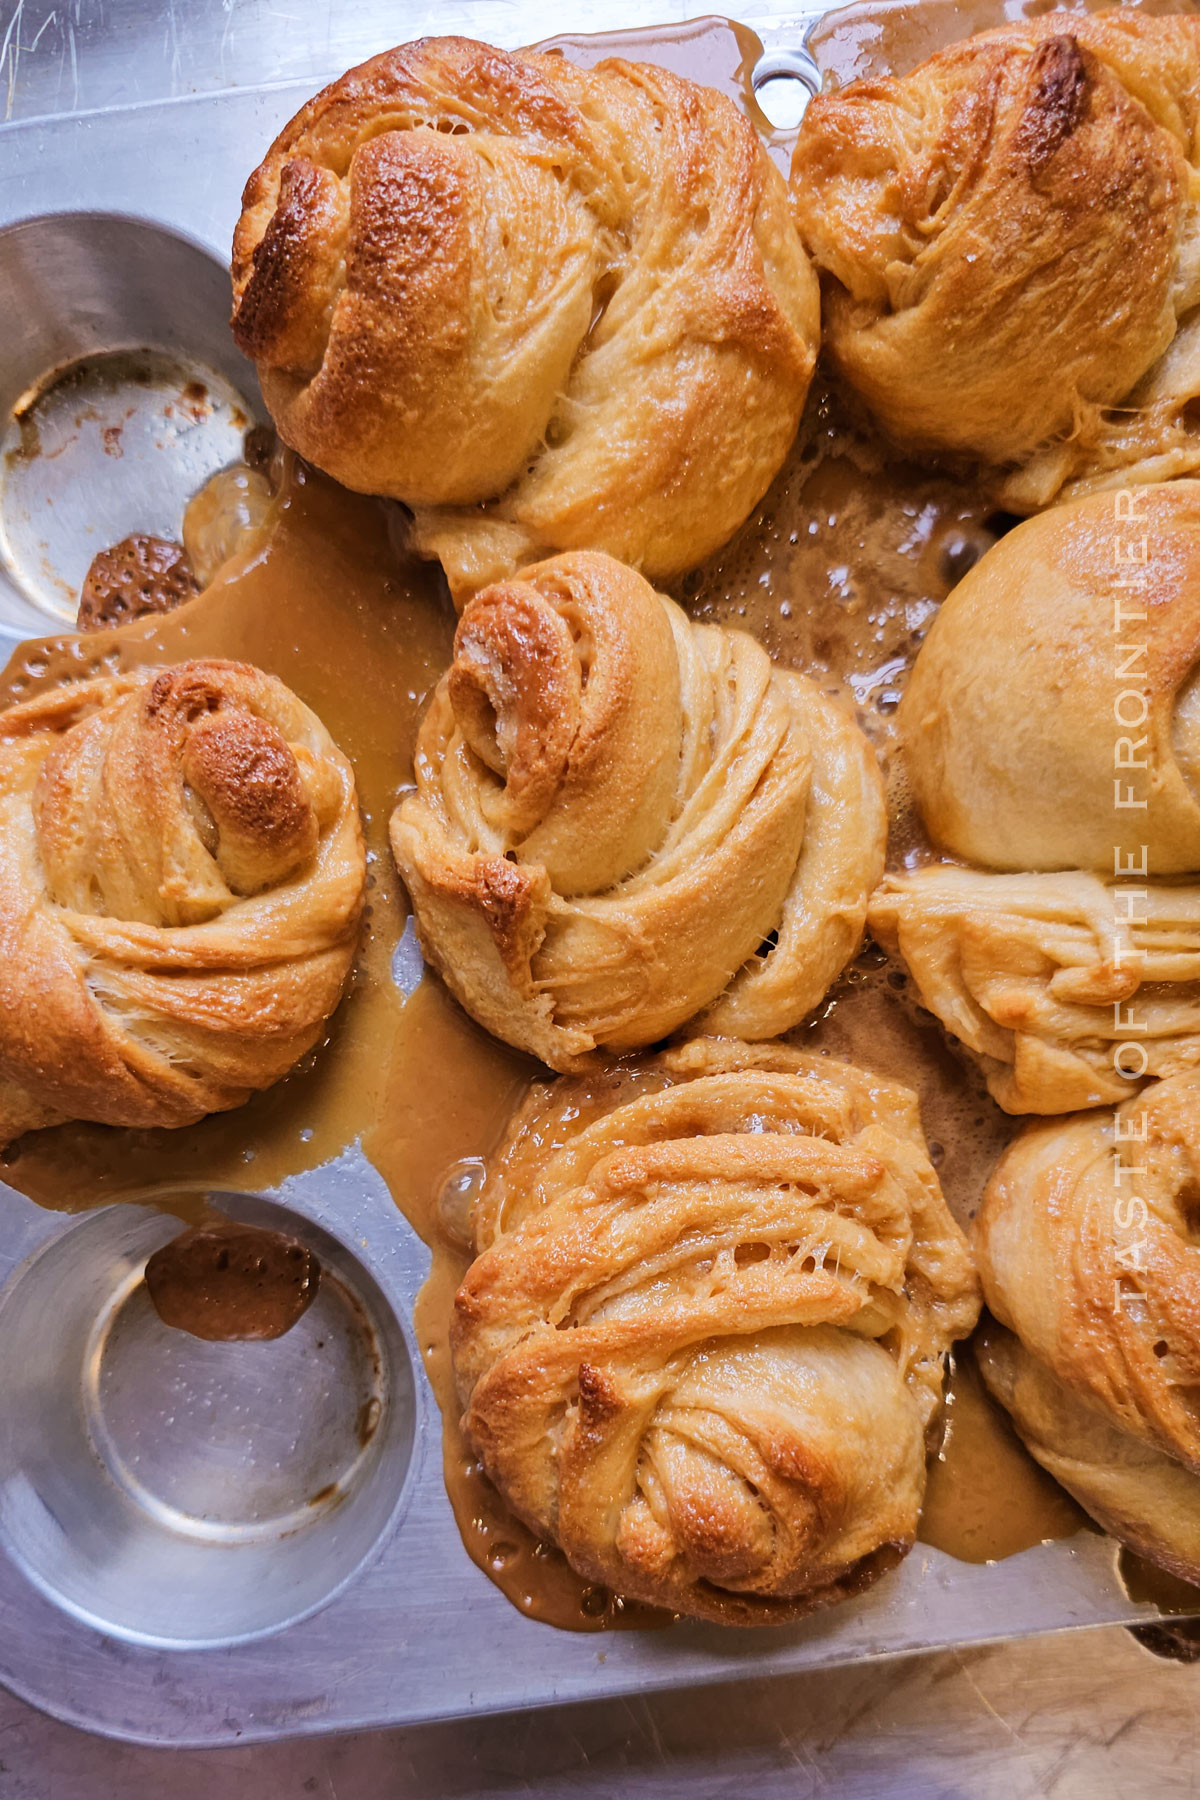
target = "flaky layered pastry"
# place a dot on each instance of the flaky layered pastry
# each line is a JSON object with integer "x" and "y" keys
{"x": 546, "y": 307}
{"x": 1010, "y": 237}
{"x": 703, "y": 1339}
{"x": 623, "y": 820}
{"x": 1089, "y": 1250}
{"x": 181, "y": 879}
{"x": 1052, "y": 727}
{"x": 1059, "y": 992}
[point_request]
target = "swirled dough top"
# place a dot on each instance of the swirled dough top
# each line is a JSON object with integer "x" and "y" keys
{"x": 181, "y": 879}
{"x": 1060, "y": 679}
{"x": 622, "y": 819}
{"x": 547, "y": 308}
{"x": 703, "y": 1339}
{"x": 1012, "y": 238}
{"x": 1089, "y": 1249}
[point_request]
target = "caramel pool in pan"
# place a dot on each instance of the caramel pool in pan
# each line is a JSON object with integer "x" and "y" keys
{"x": 320, "y": 596}
{"x": 838, "y": 572}
{"x": 232, "y": 1283}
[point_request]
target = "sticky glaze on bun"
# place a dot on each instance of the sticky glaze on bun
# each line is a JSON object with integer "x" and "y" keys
{"x": 1010, "y": 240}
{"x": 1051, "y": 730}
{"x": 546, "y": 307}
{"x": 703, "y": 1340}
{"x": 624, "y": 820}
{"x": 1089, "y": 1250}
{"x": 181, "y": 880}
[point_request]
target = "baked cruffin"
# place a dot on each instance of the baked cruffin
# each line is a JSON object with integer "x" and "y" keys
{"x": 181, "y": 880}
{"x": 623, "y": 820}
{"x": 702, "y": 1343}
{"x": 1052, "y": 727}
{"x": 1089, "y": 1251}
{"x": 548, "y": 308}
{"x": 1010, "y": 238}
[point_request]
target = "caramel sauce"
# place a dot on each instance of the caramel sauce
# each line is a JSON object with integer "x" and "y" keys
{"x": 987, "y": 1498}
{"x": 874, "y": 38}
{"x": 718, "y": 52}
{"x": 142, "y": 574}
{"x": 321, "y": 599}
{"x": 841, "y": 569}
{"x": 839, "y": 573}
{"x": 232, "y": 1283}
{"x": 1144, "y": 1580}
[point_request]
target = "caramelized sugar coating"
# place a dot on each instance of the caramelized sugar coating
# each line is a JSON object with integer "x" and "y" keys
{"x": 1021, "y": 733}
{"x": 140, "y": 575}
{"x": 1089, "y": 1250}
{"x": 615, "y": 809}
{"x": 703, "y": 1338}
{"x": 547, "y": 308}
{"x": 1011, "y": 237}
{"x": 1046, "y": 979}
{"x": 181, "y": 879}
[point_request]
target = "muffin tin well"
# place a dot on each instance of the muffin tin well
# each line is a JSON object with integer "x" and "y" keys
{"x": 163, "y": 1577}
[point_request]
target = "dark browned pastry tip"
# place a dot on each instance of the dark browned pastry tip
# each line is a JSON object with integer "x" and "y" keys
{"x": 142, "y": 574}
{"x": 233, "y": 1283}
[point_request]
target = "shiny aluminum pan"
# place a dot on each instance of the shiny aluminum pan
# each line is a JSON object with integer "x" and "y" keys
{"x": 400, "y": 1626}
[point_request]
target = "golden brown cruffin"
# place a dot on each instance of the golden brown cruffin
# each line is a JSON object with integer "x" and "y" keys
{"x": 548, "y": 308}
{"x": 1010, "y": 236}
{"x": 623, "y": 820}
{"x": 1052, "y": 727}
{"x": 702, "y": 1343}
{"x": 1089, "y": 1250}
{"x": 181, "y": 880}
{"x": 1064, "y": 991}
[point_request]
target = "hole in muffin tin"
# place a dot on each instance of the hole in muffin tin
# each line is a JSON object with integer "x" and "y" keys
{"x": 121, "y": 392}
{"x": 784, "y": 81}
{"x": 185, "y": 1493}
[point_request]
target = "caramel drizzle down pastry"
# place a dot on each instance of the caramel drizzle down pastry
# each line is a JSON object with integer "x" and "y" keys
{"x": 548, "y": 308}
{"x": 1015, "y": 752}
{"x": 181, "y": 880}
{"x": 703, "y": 1339}
{"x": 1010, "y": 240}
{"x": 1089, "y": 1250}
{"x": 623, "y": 820}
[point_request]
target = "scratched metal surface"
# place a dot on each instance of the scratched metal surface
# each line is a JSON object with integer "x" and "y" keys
{"x": 1090, "y": 1716}
{"x": 78, "y": 55}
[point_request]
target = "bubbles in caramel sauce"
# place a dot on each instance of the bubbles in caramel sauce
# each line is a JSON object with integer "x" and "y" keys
{"x": 839, "y": 573}
{"x": 230, "y": 1283}
{"x": 142, "y": 574}
{"x": 842, "y": 568}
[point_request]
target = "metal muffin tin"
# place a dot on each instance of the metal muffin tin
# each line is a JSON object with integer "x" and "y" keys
{"x": 195, "y": 1546}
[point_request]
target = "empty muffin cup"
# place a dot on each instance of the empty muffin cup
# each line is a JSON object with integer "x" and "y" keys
{"x": 179, "y": 1491}
{"x": 121, "y": 392}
